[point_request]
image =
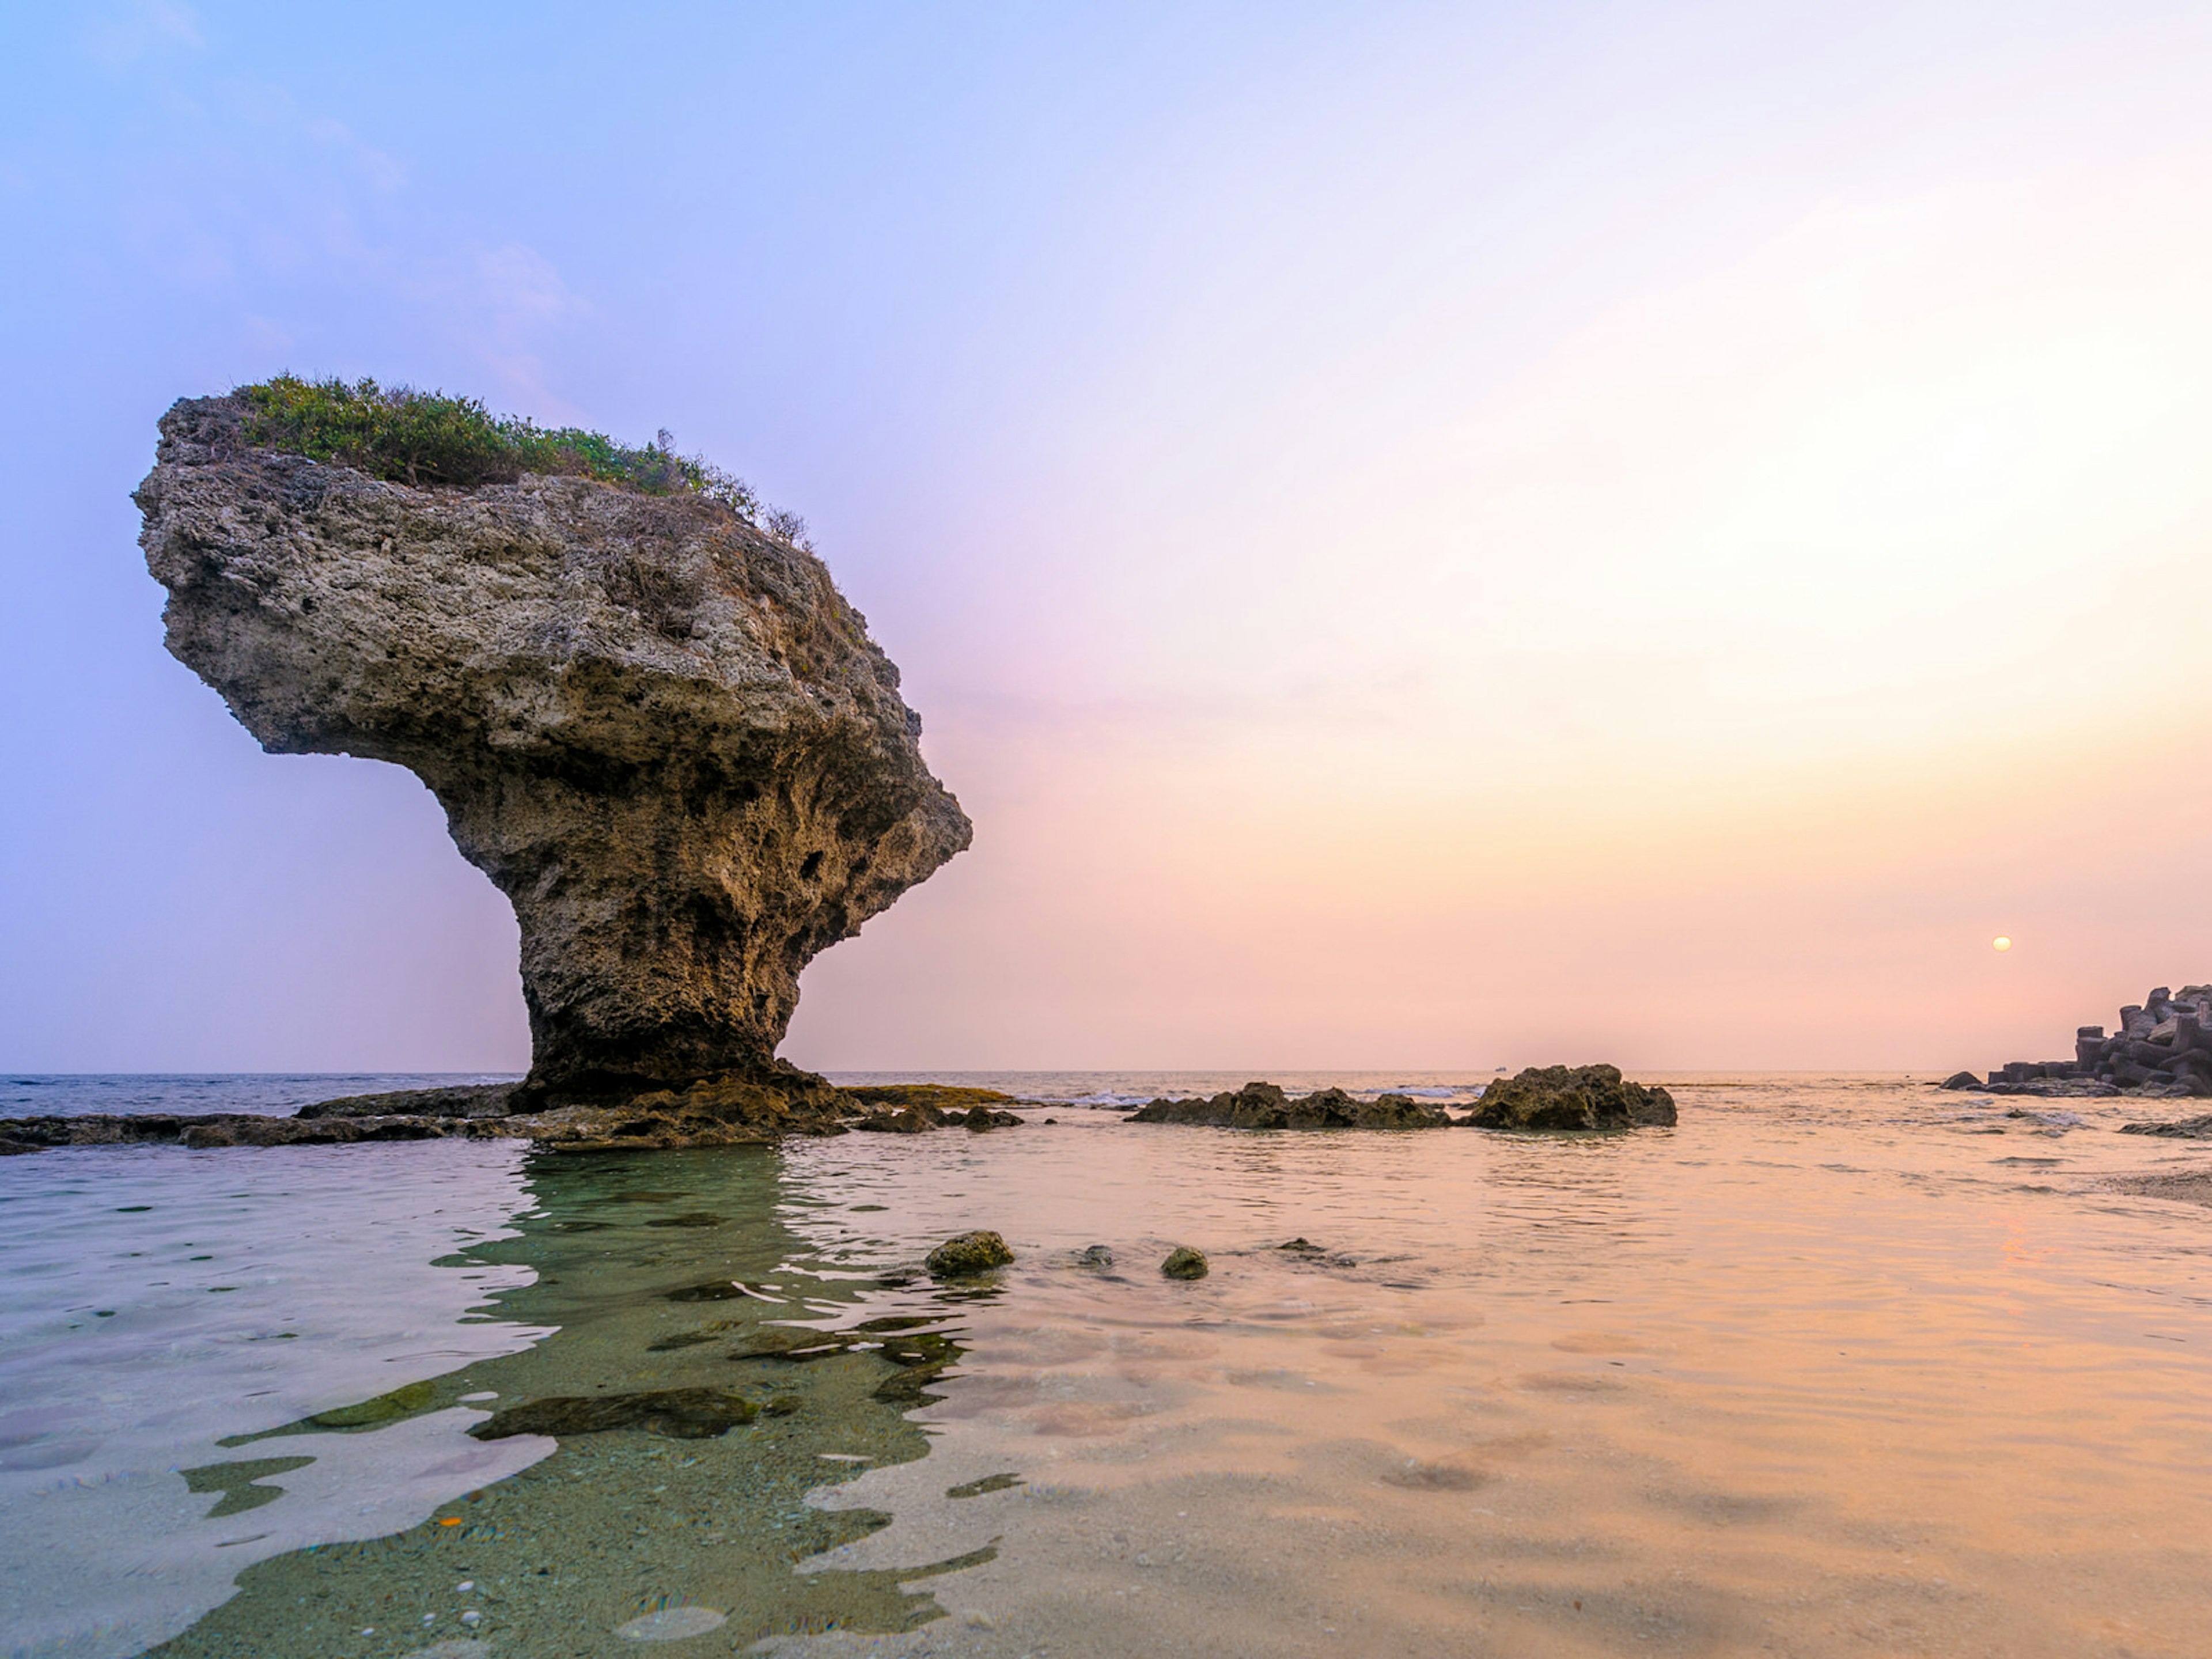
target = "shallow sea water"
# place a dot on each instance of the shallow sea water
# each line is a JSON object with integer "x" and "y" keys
{"x": 1839, "y": 1366}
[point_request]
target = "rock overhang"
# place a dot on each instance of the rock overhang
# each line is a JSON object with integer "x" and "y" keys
{"x": 660, "y": 730}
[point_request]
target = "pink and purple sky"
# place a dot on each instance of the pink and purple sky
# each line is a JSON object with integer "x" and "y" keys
{"x": 1424, "y": 537}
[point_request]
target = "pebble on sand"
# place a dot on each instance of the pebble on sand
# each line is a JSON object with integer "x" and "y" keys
{"x": 672, "y": 1625}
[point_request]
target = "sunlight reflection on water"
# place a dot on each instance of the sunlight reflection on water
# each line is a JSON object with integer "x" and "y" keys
{"x": 1837, "y": 1365}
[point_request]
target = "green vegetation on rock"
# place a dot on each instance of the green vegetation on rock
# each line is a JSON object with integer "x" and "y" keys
{"x": 421, "y": 437}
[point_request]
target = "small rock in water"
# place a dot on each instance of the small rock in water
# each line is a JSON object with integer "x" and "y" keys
{"x": 1095, "y": 1256}
{"x": 672, "y": 1625}
{"x": 1302, "y": 1244}
{"x": 966, "y": 1254}
{"x": 1184, "y": 1262}
{"x": 1584, "y": 1098}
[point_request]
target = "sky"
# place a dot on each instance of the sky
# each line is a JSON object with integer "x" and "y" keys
{"x": 1424, "y": 537}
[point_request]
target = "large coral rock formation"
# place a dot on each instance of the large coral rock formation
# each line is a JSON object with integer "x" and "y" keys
{"x": 661, "y": 733}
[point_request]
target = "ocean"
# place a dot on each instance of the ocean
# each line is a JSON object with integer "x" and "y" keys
{"x": 1840, "y": 1365}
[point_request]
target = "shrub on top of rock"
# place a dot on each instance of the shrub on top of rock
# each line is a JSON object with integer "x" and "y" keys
{"x": 420, "y": 438}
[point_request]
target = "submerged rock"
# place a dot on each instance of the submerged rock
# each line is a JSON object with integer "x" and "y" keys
{"x": 1264, "y": 1106}
{"x": 965, "y": 1254}
{"x": 2190, "y": 1129}
{"x": 1184, "y": 1262}
{"x": 404, "y": 1401}
{"x": 912, "y": 1120}
{"x": 982, "y": 1118}
{"x": 678, "y": 1414}
{"x": 1578, "y": 1097}
{"x": 661, "y": 732}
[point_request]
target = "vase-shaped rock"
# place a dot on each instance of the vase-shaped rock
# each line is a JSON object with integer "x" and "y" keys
{"x": 661, "y": 731}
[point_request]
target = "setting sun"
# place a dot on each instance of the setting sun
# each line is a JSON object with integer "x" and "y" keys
{"x": 2002, "y": 942}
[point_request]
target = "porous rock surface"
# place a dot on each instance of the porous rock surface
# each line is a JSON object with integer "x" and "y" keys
{"x": 2163, "y": 1048}
{"x": 1185, "y": 1261}
{"x": 965, "y": 1254}
{"x": 662, "y": 733}
{"x": 1264, "y": 1106}
{"x": 1572, "y": 1097}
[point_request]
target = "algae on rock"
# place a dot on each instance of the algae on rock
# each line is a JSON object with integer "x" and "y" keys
{"x": 1580, "y": 1097}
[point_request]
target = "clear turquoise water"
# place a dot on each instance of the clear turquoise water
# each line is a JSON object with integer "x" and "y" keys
{"x": 1841, "y": 1365}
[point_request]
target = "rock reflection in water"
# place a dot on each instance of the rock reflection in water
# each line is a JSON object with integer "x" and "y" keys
{"x": 675, "y": 1501}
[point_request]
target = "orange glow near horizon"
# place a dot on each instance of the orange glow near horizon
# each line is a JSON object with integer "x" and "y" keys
{"x": 1682, "y": 695}
{"x": 1432, "y": 537}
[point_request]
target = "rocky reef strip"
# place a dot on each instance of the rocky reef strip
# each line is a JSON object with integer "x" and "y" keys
{"x": 747, "y": 1110}
{"x": 1549, "y": 1098}
{"x": 713, "y": 1112}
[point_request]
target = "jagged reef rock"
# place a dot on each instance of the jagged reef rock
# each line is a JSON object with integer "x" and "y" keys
{"x": 2163, "y": 1047}
{"x": 1264, "y": 1106}
{"x": 661, "y": 733}
{"x": 716, "y": 1111}
{"x": 1578, "y": 1097}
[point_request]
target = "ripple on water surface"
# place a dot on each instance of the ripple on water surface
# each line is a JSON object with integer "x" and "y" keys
{"x": 1837, "y": 1366}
